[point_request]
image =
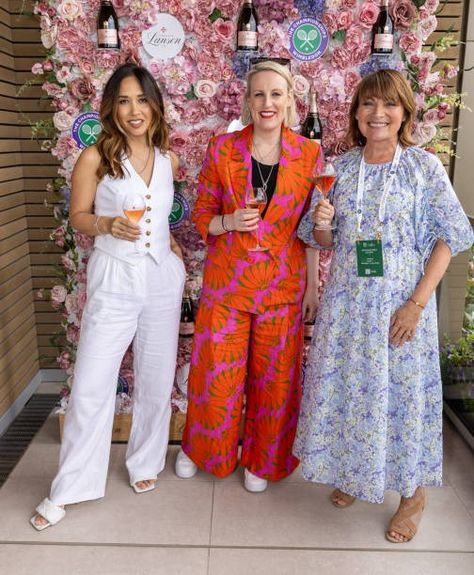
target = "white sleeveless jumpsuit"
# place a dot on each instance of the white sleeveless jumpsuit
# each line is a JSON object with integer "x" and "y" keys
{"x": 134, "y": 292}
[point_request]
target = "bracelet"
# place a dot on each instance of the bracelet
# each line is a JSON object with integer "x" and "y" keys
{"x": 223, "y": 223}
{"x": 96, "y": 224}
{"x": 417, "y": 303}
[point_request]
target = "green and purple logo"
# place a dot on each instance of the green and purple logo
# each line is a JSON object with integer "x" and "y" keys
{"x": 309, "y": 39}
{"x": 86, "y": 129}
{"x": 179, "y": 211}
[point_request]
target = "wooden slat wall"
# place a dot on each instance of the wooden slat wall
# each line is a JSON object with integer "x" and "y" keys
{"x": 38, "y": 170}
{"x": 25, "y": 219}
{"x": 18, "y": 337}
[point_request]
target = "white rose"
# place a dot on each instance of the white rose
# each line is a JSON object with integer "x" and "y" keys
{"x": 424, "y": 133}
{"x": 205, "y": 88}
{"x": 70, "y": 9}
{"x": 301, "y": 85}
{"x": 62, "y": 121}
{"x": 49, "y": 31}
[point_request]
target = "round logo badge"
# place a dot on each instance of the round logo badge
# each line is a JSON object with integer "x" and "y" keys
{"x": 179, "y": 211}
{"x": 165, "y": 39}
{"x": 309, "y": 39}
{"x": 86, "y": 129}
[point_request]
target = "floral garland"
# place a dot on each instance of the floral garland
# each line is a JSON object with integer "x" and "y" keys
{"x": 203, "y": 88}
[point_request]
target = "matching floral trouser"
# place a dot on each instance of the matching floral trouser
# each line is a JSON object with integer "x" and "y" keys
{"x": 237, "y": 354}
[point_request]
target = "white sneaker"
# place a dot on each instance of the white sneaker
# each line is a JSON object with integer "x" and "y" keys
{"x": 184, "y": 467}
{"x": 253, "y": 483}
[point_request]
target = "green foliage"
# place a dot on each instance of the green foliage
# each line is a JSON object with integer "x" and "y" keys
{"x": 459, "y": 353}
{"x": 215, "y": 15}
{"x": 339, "y": 35}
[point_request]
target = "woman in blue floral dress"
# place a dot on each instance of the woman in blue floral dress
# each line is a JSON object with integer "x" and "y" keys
{"x": 371, "y": 416}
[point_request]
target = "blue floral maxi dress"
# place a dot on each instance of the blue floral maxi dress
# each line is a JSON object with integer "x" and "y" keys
{"x": 371, "y": 412}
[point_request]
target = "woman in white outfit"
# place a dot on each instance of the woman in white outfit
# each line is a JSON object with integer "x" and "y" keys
{"x": 134, "y": 290}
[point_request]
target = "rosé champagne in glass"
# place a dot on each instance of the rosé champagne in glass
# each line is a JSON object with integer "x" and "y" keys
{"x": 324, "y": 182}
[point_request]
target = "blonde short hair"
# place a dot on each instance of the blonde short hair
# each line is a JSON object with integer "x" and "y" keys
{"x": 291, "y": 117}
{"x": 388, "y": 85}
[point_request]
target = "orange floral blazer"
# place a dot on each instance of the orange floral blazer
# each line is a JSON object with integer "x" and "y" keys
{"x": 233, "y": 276}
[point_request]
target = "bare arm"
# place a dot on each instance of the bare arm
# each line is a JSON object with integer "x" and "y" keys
{"x": 84, "y": 187}
{"x": 310, "y": 299}
{"x": 175, "y": 247}
{"x": 405, "y": 320}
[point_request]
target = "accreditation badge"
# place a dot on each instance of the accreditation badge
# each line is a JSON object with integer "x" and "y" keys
{"x": 369, "y": 258}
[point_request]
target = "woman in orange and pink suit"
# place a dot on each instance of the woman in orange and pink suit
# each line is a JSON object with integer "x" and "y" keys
{"x": 249, "y": 337}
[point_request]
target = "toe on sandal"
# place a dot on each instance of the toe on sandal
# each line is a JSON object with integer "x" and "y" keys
{"x": 341, "y": 500}
{"x": 49, "y": 511}
{"x": 407, "y": 518}
{"x": 138, "y": 489}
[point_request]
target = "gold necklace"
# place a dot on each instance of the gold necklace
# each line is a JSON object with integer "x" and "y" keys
{"x": 140, "y": 172}
{"x": 262, "y": 156}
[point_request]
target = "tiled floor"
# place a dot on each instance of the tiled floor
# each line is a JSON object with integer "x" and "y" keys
{"x": 203, "y": 526}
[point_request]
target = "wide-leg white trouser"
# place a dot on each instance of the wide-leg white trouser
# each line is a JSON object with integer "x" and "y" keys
{"x": 139, "y": 302}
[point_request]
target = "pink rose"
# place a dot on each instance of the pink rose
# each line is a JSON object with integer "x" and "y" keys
{"x": 351, "y": 81}
{"x": 344, "y": 20}
{"x": 64, "y": 360}
{"x": 431, "y": 116}
{"x": 449, "y": 71}
{"x": 205, "y": 88}
{"x": 178, "y": 141}
{"x": 403, "y": 13}
{"x": 86, "y": 66}
{"x": 81, "y": 299}
{"x": 330, "y": 21}
{"x": 58, "y": 295}
{"x": 368, "y": 14}
{"x": 68, "y": 38}
{"x": 349, "y": 3}
{"x": 72, "y": 334}
{"x": 410, "y": 43}
{"x": 225, "y": 29}
{"x": 108, "y": 59}
{"x": 37, "y": 69}
{"x": 82, "y": 89}
{"x": 84, "y": 241}
{"x": 341, "y": 58}
{"x": 354, "y": 37}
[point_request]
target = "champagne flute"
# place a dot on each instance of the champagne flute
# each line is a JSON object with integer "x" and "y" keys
{"x": 323, "y": 182}
{"x": 256, "y": 198}
{"x": 134, "y": 207}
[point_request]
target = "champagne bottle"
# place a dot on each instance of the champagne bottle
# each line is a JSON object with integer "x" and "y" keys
{"x": 311, "y": 127}
{"x": 382, "y": 32}
{"x": 107, "y": 26}
{"x": 247, "y": 34}
{"x": 186, "y": 322}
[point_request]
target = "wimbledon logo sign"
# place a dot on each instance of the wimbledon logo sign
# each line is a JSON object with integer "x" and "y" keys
{"x": 179, "y": 211}
{"x": 309, "y": 39}
{"x": 86, "y": 129}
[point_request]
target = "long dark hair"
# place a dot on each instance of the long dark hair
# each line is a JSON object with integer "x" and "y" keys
{"x": 112, "y": 141}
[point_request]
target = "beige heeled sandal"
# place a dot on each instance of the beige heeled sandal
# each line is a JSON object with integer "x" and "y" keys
{"x": 407, "y": 518}
{"x": 340, "y": 499}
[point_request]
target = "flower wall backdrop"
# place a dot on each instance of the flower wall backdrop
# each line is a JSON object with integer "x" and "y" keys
{"x": 203, "y": 87}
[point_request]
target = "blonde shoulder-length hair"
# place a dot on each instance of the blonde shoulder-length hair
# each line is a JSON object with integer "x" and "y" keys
{"x": 390, "y": 86}
{"x": 291, "y": 117}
